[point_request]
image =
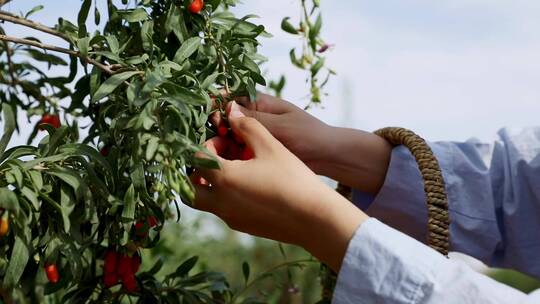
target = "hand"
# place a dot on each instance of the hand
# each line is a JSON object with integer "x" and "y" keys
{"x": 301, "y": 133}
{"x": 352, "y": 157}
{"x": 274, "y": 195}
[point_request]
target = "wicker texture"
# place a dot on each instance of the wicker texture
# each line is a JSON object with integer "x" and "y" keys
{"x": 437, "y": 202}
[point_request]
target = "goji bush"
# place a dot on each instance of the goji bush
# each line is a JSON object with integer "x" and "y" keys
{"x": 117, "y": 137}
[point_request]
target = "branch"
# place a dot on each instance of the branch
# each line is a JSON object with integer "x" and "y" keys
{"x": 9, "y": 17}
{"x": 103, "y": 67}
{"x": 2, "y": 2}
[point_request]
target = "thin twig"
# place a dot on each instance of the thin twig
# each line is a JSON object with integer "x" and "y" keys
{"x": 9, "y": 17}
{"x": 103, "y": 67}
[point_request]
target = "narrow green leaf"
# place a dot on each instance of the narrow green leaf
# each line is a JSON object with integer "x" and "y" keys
{"x": 129, "y": 204}
{"x": 17, "y": 264}
{"x": 135, "y": 15}
{"x": 83, "y": 15}
{"x": 112, "y": 83}
{"x": 210, "y": 80}
{"x": 8, "y": 200}
{"x": 9, "y": 127}
{"x": 71, "y": 178}
{"x": 288, "y": 27}
{"x": 31, "y": 196}
{"x": 187, "y": 49}
{"x": 151, "y": 148}
{"x": 186, "y": 266}
{"x": 34, "y": 10}
{"x": 245, "y": 271}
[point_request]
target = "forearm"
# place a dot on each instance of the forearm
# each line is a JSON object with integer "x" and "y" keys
{"x": 355, "y": 158}
{"x": 329, "y": 227}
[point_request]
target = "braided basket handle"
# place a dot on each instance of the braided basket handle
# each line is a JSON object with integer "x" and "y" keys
{"x": 437, "y": 202}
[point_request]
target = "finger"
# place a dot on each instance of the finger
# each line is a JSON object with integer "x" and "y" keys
{"x": 256, "y": 136}
{"x": 267, "y": 119}
{"x": 216, "y": 118}
{"x": 266, "y": 103}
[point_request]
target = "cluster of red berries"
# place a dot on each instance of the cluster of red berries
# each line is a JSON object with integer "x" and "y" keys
{"x": 142, "y": 227}
{"x": 121, "y": 267}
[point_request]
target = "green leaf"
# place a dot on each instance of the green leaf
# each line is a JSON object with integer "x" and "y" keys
{"x": 8, "y": 200}
{"x": 47, "y": 58}
{"x": 151, "y": 148}
{"x": 112, "y": 83}
{"x": 36, "y": 178}
{"x": 176, "y": 94}
{"x": 112, "y": 41}
{"x": 129, "y": 204}
{"x": 317, "y": 66}
{"x": 210, "y": 80}
{"x": 9, "y": 127}
{"x": 97, "y": 16}
{"x": 147, "y": 31}
{"x": 31, "y": 196}
{"x": 34, "y": 10}
{"x": 288, "y": 27}
{"x": 188, "y": 48}
{"x": 71, "y": 178}
{"x": 207, "y": 163}
{"x": 17, "y": 264}
{"x": 251, "y": 65}
{"x": 83, "y": 45}
{"x": 83, "y": 15}
{"x": 245, "y": 271}
{"x": 135, "y": 15}
{"x": 186, "y": 266}
{"x": 67, "y": 203}
{"x": 82, "y": 149}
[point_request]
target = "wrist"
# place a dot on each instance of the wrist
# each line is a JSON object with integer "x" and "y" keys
{"x": 355, "y": 158}
{"x": 327, "y": 235}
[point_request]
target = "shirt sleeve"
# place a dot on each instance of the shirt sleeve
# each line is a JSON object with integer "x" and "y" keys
{"x": 493, "y": 195}
{"x": 383, "y": 265}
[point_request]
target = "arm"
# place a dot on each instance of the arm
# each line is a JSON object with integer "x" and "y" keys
{"x": 494, "y": 198}
{"x": 383, "y": 265}
{"x": 274, "y": 195}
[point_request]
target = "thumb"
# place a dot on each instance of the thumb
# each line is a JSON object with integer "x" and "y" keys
{"x": 256, "y": 136}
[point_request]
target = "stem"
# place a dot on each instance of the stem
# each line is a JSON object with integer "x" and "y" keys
{"x": 263, "y": 275}
{"x": 5, "y": 16}
{"x": 103, "y": 67}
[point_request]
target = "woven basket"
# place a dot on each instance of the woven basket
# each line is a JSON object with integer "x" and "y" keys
{"x": 437, "y": 202}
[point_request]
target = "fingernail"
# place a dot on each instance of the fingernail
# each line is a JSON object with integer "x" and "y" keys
{"x": 235, "y": 110}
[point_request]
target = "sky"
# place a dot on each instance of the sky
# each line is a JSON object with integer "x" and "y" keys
{"x": 447, "y": 69}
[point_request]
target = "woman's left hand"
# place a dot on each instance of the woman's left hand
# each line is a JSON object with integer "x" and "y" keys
{"x": 274, "y": 194}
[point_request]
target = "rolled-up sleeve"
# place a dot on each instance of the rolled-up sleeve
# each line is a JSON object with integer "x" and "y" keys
{"x": 493, "y": 195}
{"x": 383, "y": 265}
{"x": 494, "y": 203}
